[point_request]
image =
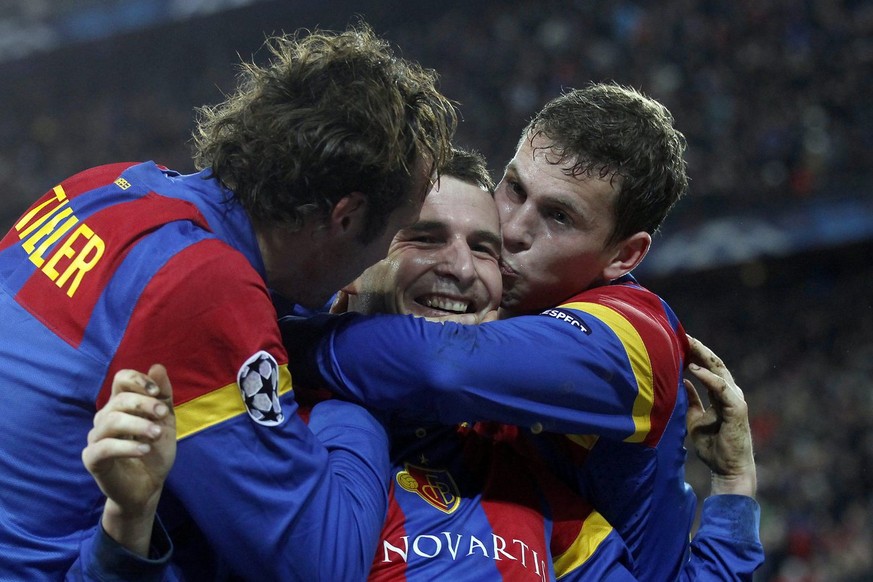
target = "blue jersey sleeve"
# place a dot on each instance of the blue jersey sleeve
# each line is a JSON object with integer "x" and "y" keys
{"x": 534, "y": 371}
{"x": 102, "y": 558}
{"x": 337, "y": 524}
{"x": 727, "y": 545}
{"x": 327, "y": 483}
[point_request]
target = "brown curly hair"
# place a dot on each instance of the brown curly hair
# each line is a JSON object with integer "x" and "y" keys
{"x": 330, "y": 114}
{"x": 614, "y": 131}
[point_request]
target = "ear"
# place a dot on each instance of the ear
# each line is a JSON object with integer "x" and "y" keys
{"x": 349, "y": 214}
{"x": 627, "y": 254}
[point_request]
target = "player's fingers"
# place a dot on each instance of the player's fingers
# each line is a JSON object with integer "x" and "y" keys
{"x": 158, "y": 374}
{"x": 96, "y": 456}
{"x": 695, "y": 404}
{"x": 341, "y": 302}
{"x": 696, "y": 411}
{"x": 118, "y": 424}
{"x": 133, "y": 381}
{"x": 701, "y": 355}
{"x": 462, "y": 318}
{"x": 136, "y": 405}
{"x": 715, "y": 385}
{"x": 492, "y": 315}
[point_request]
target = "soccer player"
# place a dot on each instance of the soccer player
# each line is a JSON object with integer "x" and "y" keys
{"x": 584, "y": 358}
{"x": 309, "y": 169}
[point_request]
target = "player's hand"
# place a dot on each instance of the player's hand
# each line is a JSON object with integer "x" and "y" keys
{"x": 370, "y": 292}
{"x": 131, "y": 450}
{"x": 721, "y": 433}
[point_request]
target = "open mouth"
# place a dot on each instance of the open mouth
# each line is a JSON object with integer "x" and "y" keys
{"x": 446, "y": 304}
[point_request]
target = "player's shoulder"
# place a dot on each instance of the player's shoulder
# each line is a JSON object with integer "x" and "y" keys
{"x": 625, "y": 296}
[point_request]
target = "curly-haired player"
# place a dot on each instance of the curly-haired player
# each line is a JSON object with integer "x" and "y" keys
{"x": 308, "y": 170}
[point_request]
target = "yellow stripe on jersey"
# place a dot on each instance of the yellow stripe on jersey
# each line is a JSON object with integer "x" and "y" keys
{"x": 594, "y": 530}
{"x": 638, "y": 356}
{"x": 218, "y": 406}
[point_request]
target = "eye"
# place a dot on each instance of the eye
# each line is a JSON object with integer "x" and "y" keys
{"x": 425, "y": 239}
{"x": 486, "y": 250}
{"x": 514, "y": 190}
{"x": 560, "y": 216}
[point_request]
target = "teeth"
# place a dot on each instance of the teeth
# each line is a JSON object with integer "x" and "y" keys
{"x": 447, "y": 304}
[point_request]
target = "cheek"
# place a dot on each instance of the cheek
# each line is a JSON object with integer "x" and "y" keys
{"x": 411, "y": 266}
{"x": 503, "y": 206}
{"x": 492, "y": 280}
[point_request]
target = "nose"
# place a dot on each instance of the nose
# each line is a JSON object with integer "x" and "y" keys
{"x": 517, "y": 227}
{"x": 457, "y": 262}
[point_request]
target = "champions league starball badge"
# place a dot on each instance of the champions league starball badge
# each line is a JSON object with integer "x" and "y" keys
{"x": 258, "y": 380}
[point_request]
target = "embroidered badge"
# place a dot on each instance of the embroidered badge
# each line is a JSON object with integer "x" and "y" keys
{"x": 435, "y": 486}
{"x": 258, "y": 380}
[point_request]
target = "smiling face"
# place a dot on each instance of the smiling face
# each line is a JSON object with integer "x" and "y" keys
{"x": 447, "y": 262}
{"x": 555, "y": 230}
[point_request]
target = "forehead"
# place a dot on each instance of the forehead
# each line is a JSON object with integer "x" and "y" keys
{"x": 542, "y": 171}
{"x": 455, "y": 203}
{"x": 539, "y": 155}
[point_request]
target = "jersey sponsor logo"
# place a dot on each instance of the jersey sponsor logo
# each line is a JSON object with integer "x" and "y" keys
{"x": 435, "y": 486}
{"x": 43, "y": 226}
{"x": 258, "y": 380}
{"x": 454, "y": 545}
{"x": 563, "y": 315}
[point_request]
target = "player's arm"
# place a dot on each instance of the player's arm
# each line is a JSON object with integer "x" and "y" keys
{"x": 727, "y": 545}
{"x": 274, "y": 498}
{"x": 129, "y": 453}
{"x": 532, "y": 371}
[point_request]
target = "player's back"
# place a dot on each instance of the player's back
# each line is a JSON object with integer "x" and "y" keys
{"x": 71, "y": 270}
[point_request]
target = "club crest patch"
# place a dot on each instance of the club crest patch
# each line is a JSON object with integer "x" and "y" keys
{"x": 435, "y": 486}
{"x": 258, "y": 380}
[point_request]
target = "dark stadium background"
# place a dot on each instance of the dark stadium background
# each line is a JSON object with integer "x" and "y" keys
{"x": 767, "y": 260}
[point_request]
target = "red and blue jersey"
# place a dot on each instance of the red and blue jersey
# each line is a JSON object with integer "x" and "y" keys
{"x": 465, "y": 504}
{"x": 595, "y": 383}
{"x": 127, "y": 265}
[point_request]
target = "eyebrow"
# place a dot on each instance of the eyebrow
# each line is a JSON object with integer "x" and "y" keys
{"x": 426, "y": 225}
{"x": 431, "y": 225}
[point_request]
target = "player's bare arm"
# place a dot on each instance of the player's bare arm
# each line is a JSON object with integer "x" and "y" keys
{"x": 721, "y": 433}
{"x": 130, "y": 452}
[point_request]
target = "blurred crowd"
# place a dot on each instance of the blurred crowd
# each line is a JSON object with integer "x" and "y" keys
{"x": 798, "y": 336}
{"x": 773, "y": 96}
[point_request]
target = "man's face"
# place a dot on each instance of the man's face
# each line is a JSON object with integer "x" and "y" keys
{"x": 554, "y": 227}
{"x": 447, "y": 262}
{"x": 335, "y": 254}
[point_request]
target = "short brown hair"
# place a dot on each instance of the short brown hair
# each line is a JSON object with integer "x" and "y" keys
{"x": 469, "y": 166}
{"x": 613, "y": 131}
{"x": 330, "y": 114}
